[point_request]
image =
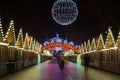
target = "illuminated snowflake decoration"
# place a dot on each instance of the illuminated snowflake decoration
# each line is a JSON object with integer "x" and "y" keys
{"x": 64, "y": 12}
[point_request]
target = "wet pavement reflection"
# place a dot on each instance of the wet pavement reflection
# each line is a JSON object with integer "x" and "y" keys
{"x": 50, "y": 70}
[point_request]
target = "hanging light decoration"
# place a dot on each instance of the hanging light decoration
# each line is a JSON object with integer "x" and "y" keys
{"x": 64, "y": 12}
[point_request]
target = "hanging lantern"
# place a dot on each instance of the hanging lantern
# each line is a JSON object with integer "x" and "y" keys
{"x": 64, "y": 12}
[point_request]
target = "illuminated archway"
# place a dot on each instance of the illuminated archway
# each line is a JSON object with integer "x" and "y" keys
{"x": 58, "y": 43}
{"x": 64, "y": 46}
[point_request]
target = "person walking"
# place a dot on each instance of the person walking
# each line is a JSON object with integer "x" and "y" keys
{"x": 86, "y": 61}
{"x": 62, "y": 62}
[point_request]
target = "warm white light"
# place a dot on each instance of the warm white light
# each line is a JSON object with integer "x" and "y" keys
{"x": 6, "y": 44}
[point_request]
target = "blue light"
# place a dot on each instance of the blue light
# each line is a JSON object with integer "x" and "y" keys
{"x": 57, "y": 35}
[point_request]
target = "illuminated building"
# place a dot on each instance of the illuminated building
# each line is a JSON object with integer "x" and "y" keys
{"x": 23, "y": 52}
{"x": 57, "y": 43}
{"x": 104, "y": 55}
{"x": 19, "y": 53}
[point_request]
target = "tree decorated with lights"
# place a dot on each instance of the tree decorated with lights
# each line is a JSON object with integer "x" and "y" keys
{"x": 10, "y": 35}
{"x": 64, "y": 12}
{"x": 100, "y": 43}
{"x": 19, "y": 42}
{"x": 1, "y": 32}
{"x": 110, "y": 42}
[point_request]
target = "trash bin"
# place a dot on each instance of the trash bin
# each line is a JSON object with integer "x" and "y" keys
{"x": 11, "y": 67}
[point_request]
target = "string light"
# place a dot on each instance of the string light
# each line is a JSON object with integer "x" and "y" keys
{"x": 64, "y": 12}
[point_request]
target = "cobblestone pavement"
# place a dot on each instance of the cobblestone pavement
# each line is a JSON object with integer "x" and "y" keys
{"x": 50, "y": 70}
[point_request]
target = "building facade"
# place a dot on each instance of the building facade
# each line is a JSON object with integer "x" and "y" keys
{"x": 104, "y": 54}
{"x": 16, "y": 54}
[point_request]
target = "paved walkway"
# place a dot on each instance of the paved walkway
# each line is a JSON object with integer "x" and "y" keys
{"x": 49, "y": 70}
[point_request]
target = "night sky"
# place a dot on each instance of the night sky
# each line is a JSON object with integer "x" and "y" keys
{"x": 34, "y": 17}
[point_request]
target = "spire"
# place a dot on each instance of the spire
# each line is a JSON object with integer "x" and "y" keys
{"x": 100, "y": 44}
{"x": 1, "y": 32}
{"x": 110, "y": 42}
{"x": 19, "y": 41}
{"x": 93, "y": 44}
{"x": 118, "y": 40}
{"x": 10, "y": 35}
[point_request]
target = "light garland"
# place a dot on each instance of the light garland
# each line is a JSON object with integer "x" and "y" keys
{"x": 93, "y": 44}
{"x": 88, "y": 46}
{"x": 1, "y": 31}
{"x": 19, "y": 41}
{"x": 82, "y": 48}
{"x": 100, "y": 44}
{"x": 25, "y": 44}
{"x": 8, "y": 35}
{"x": 109, "y": 36}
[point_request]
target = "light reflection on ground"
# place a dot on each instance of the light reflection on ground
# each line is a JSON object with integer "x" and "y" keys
{"x": 49, "y": 70}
